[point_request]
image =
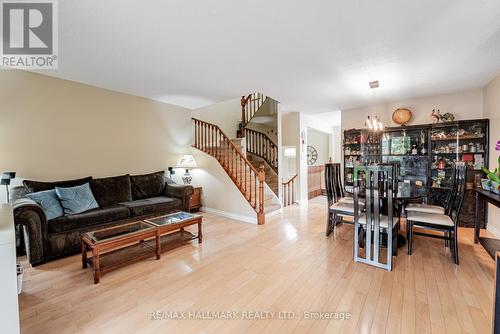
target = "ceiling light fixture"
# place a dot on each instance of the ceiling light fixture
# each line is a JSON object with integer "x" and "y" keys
{"x": 374, "y": 123}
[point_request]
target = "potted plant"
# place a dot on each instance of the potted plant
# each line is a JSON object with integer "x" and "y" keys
{"x": 493, "y": 181}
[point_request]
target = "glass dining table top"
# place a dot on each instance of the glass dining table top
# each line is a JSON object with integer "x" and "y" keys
{"x": 406, "y": 191}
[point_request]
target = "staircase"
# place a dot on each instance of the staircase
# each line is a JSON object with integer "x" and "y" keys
{"x": 271, "y": 202}
{"x": 261, "y": 145}
{"x": 250, "y": 104}
{"x": 271, "y": 175}
{"x": 210, "y": 139}
{"x": 260, "y": 148}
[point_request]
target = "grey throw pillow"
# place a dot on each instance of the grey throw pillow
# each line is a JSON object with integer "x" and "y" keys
{"x": 76, "y": 199}
{"x": 49, "y": 201}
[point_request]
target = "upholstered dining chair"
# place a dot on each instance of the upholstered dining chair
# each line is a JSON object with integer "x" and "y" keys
{"x": 446, "y": 223}
{"x": 437, "y": 209}
{"x": 339, "y": 206}
{"x": 373, "y": 226}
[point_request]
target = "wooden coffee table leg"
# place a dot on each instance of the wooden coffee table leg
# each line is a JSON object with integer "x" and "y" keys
{"x": 158, "y": 245}
{"x": 84, "y": 255}
{"x": 200, "y": 235}
{"x": 96, "y": 263}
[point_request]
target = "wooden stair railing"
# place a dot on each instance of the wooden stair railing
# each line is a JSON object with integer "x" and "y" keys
{"x": 261, "y": 145}
{"x": 210, "y": 139}
{"x": 289, "y": 191}
{"x": 249, "y": 106}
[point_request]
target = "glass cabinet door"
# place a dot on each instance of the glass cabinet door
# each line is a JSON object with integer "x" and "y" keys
{"x": 409, "y": 148}
{"x": 462, "y": 143}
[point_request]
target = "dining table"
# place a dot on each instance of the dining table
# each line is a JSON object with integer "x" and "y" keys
{"x": 406, "y": 192}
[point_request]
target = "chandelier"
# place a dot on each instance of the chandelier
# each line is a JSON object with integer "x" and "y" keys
{"x": 374, "y": 123}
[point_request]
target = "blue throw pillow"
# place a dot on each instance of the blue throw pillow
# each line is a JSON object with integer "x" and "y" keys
{"x": 49, "y": 202}
{"x": 76, "y": 199}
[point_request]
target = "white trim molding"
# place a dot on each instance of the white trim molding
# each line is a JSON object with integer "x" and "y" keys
{"x": 231, "y": 215}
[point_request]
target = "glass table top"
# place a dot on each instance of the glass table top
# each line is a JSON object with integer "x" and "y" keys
{"x": 170, "y": 219}
{"x": 405, "y": 191}
{"x": 111, "y": 233}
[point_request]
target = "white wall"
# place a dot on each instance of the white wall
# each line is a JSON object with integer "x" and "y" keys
{"x": 492, "y": 111}
{"x": 295, "y": 130}
{"x": 465, "y": 105}
{"x": 226, "y": 114}
{"x": 321, "y": 142}
{"x": 290, "y": 124}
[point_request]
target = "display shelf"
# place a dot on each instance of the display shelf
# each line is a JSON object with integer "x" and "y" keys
{"x": 458, "y": 142}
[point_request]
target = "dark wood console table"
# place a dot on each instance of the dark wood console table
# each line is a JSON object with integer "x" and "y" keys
{"x": 490, "y": 244}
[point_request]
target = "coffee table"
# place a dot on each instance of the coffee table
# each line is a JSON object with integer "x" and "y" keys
{"x": 177, "y": 221}
{"x": 117, "y": 246}
{"x": 121, "y": 244}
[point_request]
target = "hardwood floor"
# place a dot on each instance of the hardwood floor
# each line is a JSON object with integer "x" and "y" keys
{"x": 286, "y": 265}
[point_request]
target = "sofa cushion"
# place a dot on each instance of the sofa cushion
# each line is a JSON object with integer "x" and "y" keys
{"x": 89, "y": 218}
{"x": 111, "y": 190}
{"x": 147, "y": 185}
{"x": 75, "y": 200}
{"x": 153, "y": 205}
{"x": 35, "y": 186}
{"x": 49, "y": 201}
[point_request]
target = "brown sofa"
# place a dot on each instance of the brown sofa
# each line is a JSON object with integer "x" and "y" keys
{"x": 121, "y": 199}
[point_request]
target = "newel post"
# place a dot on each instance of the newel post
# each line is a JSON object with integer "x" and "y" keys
{"x": 243, "y": 114}
{"x": 260, "y": 215}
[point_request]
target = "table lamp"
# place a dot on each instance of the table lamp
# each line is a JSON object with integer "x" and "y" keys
{"x": 187, "y": 162}
{"x": 5, "y": 181}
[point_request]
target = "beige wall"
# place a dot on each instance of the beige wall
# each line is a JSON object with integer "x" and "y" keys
{"x": 492, "y": 111}
{"x": 57, "y": 129}
{"x": 465, "y": 105}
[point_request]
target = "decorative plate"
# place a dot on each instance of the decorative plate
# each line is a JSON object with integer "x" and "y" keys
{"x": 401, "y": 116}
{"x": 312, "y": 155}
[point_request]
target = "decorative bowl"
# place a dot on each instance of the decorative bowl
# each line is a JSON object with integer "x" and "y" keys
{"x": 496, "y": 187}
{"x": 486, "y": 184}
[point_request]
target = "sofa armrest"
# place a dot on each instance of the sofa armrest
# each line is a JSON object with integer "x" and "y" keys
{"x": 183, "y": 192}
{"x": 31, "y": 217}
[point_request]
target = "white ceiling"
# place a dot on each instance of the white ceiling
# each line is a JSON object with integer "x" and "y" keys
{"x": 313, "y": 56}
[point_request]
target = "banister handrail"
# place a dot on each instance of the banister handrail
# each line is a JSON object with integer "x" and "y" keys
{"x": 291, "y": 179}
{"x": 265, "y": 148}
{"x": 287, "y": 195}
{"x": 210, "y": 138}
{"x": 264, "y": 135}
{"x": 248, "y": 106}
{"x": 230, "y": 143}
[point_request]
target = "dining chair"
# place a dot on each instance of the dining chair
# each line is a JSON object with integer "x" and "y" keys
{"x": 446, "y": 223}
{"x": 372, "y": 226}
{"x": 338, "y": 207}
{"x": 437, "y": 209}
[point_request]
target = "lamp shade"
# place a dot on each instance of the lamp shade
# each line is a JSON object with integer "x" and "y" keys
{"x": 187, "y": 161}
{"x": 8, "y": 175}
{"x": 289, "y": 152}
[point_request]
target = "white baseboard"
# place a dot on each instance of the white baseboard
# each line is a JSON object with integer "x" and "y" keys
{"x": 246, "y": 219}
{"x": 274, "y": 213}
